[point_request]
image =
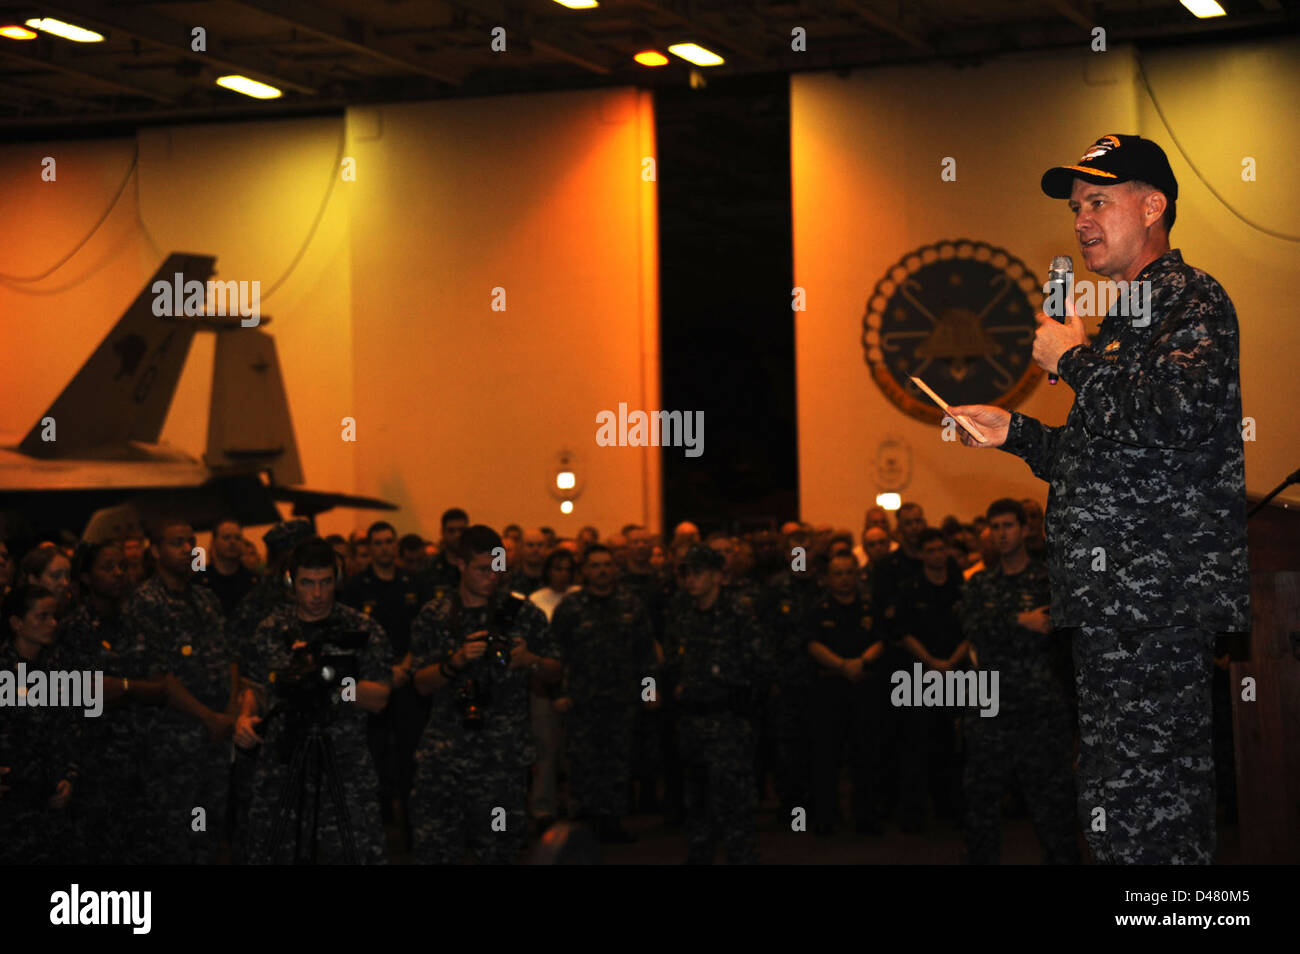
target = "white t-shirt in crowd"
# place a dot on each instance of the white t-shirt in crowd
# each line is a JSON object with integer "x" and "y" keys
{"x": 546, "y": 599}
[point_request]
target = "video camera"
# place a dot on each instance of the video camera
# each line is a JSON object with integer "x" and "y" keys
{"x": 309, "y": 690}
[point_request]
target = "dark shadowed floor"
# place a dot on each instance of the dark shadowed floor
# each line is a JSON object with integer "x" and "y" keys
{"x": 940, "y": 844}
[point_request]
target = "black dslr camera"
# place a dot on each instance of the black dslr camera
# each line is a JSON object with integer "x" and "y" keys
{"x": 474, "y": 695}
{"x": 498, "y": 641}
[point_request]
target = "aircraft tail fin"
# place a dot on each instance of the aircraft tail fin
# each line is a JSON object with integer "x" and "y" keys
{"x": 123, "y": 391}
{"x": 249, "y": 422}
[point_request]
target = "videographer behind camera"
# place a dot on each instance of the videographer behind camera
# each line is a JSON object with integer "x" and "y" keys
{"x": 317, "y": 667}
{"x": 474, "y": 652}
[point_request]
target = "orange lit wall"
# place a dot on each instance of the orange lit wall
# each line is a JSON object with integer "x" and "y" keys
{"x": 541, "y": 197}
{"x": 866, "y": 156}
{"x": 386, "y": 315}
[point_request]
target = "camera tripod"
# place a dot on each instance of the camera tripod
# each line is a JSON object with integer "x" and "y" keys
{"x": 315, "y": 749}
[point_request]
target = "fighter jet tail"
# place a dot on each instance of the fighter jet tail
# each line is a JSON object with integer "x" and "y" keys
{"x": 122, "y": 393}
{"x": 249, "y": 425}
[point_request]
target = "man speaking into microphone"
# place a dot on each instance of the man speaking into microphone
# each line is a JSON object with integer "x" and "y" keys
{"x": 1146, "y": 515}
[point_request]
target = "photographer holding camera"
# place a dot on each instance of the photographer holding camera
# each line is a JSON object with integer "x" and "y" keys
{"x": 475, "y": 651}
{"x": 317, "y": 667}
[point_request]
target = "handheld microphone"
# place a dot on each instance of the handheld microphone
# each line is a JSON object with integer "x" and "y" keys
{"x": 1060, "y": 275}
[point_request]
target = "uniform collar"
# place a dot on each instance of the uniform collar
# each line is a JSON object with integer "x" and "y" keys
{"x": 1166, "y": 263}
{"x": 336, "y": 611}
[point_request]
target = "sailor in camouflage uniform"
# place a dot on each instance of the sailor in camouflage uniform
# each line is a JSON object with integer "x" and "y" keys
{"x": 111, "y": 805}
{"x": 37, "y": 743}
{"x": 746, "y": 592}
{"x": 470, "y": 778}
{"x": 314, "y": 626}
{"x": 184, "y": 636}
{"x": 716, "y": 661}
{"x": 786, "y": 603}
{"x": 1031, "y": 738}
{"x": 603, "y": 632}
{"x": 741, "y": 587}
{"x": 268, "y": 595}
{"x": 1146, "y": 528}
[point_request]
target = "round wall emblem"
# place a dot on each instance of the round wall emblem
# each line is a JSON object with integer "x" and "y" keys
{"x": 959, "y": 315}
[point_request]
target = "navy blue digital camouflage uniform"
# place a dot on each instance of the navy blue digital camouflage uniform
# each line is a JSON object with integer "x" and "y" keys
{"x": 113, "y": 749}
{"x": 1031, "y": 738}
{"x": 184, "y": 634}
{"x": 466, "y": 777}
{"x": 753, "y": 598}
{"x": 718, "y": 659}
{"x": 608, "y": 649}
{"x": 1147, "y": 474}
{"x": 269, "y": 595}
{"x": 344, "y": 725}
{"x": 784, "y": 610}
{"x": 38, "y": 745}
{"x": 647, "y": 726}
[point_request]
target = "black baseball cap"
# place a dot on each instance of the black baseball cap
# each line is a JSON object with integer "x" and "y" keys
{"x": 702, "y": 557}
{"x": 1111, "y": 160}
{"x": 285, "y": 535}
